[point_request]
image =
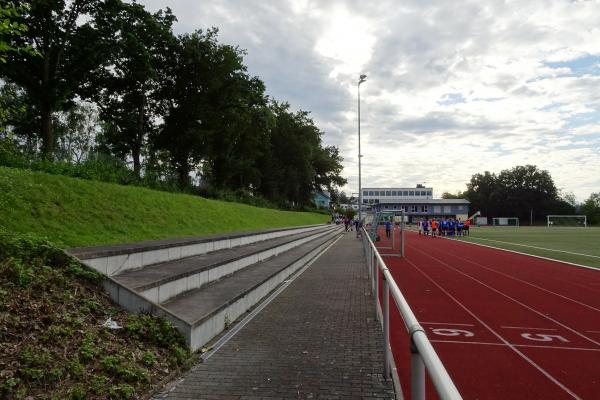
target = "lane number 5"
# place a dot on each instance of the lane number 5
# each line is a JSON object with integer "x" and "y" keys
{"x": 539, "y": 337}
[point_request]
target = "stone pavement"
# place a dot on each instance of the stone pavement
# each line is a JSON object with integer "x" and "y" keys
{"x": 317, "y": 340}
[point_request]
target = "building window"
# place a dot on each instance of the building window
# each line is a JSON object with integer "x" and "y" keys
{"x": 405, "y": 193}
{"x": 370, "y": 193}
{"x": 365, "y": 201}
{"x": 461, "y": 208}
{"x": 424, "y": 209}
{"x": 365, "y": 193}
{"x": 447, "y": 209}
{"x": 386, "y": 207}
{"x": 376, "y": 201}
{"x": 411, "y": 193}
{"x": 388, "y": 193}
{"x": 376, "y": 193}
{"x": 429, "y": 193}
{"x": 413, "y": 208}
{"x": 423, "y": 193}
{"x": 394, "y": 193}
{"x": 370, "y": 201}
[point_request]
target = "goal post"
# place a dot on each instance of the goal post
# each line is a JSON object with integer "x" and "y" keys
{"x": 577, "y": 221}
{"x": 506, "y": 221}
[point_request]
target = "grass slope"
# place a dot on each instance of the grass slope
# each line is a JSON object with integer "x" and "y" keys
{"x": 575, "y": 245}
{"x": 75, "y": 212}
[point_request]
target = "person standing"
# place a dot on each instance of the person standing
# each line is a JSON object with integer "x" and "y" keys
{"x": 388, "y": 229}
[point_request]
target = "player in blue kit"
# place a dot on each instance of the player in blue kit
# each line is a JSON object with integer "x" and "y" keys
{"x": 451, "y": 227}
{"x": 425, "y": 226}
{"x": 459, "y": 227}
{"x": 444, "y": 225}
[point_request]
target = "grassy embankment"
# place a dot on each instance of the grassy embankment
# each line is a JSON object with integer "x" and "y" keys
{"x": 575, "y": 245}
{"x": 74, "y": 212}
{"x": 52, "y": 342}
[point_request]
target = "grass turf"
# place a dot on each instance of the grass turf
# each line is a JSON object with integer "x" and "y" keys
{"x": 575, "y": 245}
{"x": 75, "y": 212}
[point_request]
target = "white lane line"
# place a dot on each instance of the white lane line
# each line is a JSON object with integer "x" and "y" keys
{"x": 513, "y": 344}
{"x": 512, "y": 347}
{"x": 576, "y": 332}
{"x": 523, "y": 281}
{"x": 523, "y": 254}
{"x": 593, "y": 331}
{"x": 539, "y": 248}
{"x": 444, "y": 323}
{"x": 528, "y": 328}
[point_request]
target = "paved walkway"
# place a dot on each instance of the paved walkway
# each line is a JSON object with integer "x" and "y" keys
{"x": 317, "y": 340}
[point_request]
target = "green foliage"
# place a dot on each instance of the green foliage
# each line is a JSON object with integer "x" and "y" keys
{"x": 516, "y": 192}
{"x": 591, "y": 208}
{"x": 10, "y": 25}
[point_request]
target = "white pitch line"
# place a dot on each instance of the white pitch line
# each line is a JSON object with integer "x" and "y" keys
{"x": 536, "y": 247}
{"x": 445, "y": 323}
{"x": 515, "y": 345}
{"x": 528, "y": 329}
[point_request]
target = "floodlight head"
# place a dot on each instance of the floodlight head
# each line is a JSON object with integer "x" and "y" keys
{"x": 362, "y": 78}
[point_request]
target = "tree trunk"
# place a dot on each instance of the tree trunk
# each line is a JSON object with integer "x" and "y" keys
{"x": 183, "y": 175}
{"x": 139, "y": 138}
{"x": 135, "y": 154}
{"x": 46, "y": 132}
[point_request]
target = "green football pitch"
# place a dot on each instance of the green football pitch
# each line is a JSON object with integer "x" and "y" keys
{"x": 575, "y": 245}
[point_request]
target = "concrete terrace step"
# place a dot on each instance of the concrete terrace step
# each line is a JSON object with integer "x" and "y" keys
{"x": 113, "y": 259}
{"x": 161, "y": 282}
{"x": 207, "y": 311}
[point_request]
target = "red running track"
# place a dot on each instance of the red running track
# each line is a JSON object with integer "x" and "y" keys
{"x": 505, "y": 325}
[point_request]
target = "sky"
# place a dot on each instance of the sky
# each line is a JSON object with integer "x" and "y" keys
{"x": 454, "y": 88}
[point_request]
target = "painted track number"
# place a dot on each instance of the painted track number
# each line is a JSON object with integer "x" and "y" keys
{"x": 452, "y": 332}
{"x": 540, "y": 337}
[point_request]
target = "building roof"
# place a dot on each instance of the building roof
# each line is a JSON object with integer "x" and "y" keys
{"x": 425, "y": 201}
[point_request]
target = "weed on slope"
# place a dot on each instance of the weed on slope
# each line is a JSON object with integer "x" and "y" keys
{"x": 54, "y": 342}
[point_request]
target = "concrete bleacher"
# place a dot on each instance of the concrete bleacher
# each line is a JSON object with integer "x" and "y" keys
{"x": 204, "y": 284}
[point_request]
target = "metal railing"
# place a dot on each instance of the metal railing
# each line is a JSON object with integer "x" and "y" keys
{"x": 423, "y": 356}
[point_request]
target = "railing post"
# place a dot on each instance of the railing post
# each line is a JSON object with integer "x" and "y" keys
{"x": 386, "y": 328}
{"x": 376, "y": 288}
{"x": 417, "y": 374}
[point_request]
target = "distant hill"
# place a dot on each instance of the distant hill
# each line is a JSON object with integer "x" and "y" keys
{"x": 73, "y": 212}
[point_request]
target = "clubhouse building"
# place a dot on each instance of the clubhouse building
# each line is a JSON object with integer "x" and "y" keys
{"x": 417, "y": 203}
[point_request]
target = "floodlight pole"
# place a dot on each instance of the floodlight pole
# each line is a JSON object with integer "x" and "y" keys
{"x": 361, "y": 79}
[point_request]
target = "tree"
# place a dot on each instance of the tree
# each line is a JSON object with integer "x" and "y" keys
{"x": 67, "y": 48}
{"x": 344, "y": 199}
{"x": 484, "y": 194}
{"x": 10, "y": 26}
{"x": 591, "y": 208}
{"x": 523, "y": 191}
{"x": 448, "y": 195}
{"x": 297, "y": 164}
{"x": 188, "y": 118}
{"x": 126, "y": 86}
{"x": 528, "y": 191}
{"x": 76, "y": 131}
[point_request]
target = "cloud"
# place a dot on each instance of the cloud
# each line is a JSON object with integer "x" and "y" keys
{"x": 451, "y": 91}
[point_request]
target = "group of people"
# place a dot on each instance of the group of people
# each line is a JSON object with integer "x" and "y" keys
{"x": 349, "y": 223}
{"x": 444, "y": 227}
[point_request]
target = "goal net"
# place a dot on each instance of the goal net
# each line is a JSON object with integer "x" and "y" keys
{"x": 506, "y": 221}
{"x": 579, "y": 221}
